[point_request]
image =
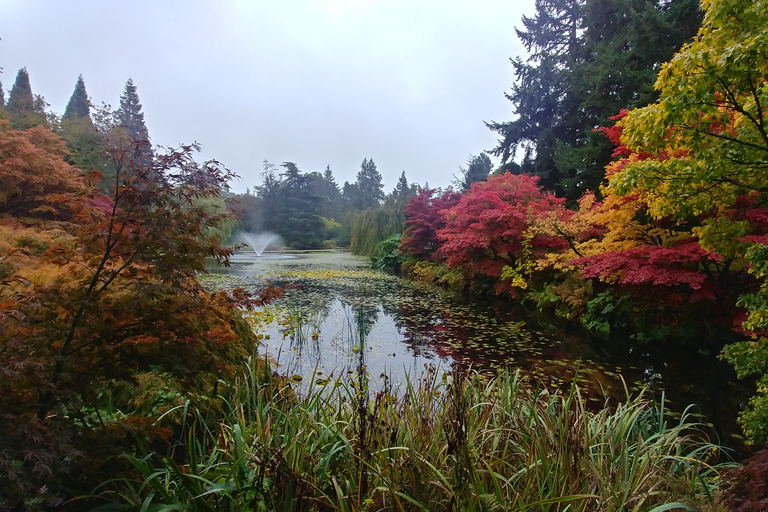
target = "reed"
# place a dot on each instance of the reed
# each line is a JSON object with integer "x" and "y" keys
{"x": 462, "y": 442}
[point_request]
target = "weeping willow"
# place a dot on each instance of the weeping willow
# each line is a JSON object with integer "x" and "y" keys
{"x": 370, "y": 227}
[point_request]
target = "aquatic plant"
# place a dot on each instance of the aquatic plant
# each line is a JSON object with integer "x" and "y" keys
{"x": 460, "y": 442}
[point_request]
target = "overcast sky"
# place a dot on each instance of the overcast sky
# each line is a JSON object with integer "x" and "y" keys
{"x": 317, "y": 82}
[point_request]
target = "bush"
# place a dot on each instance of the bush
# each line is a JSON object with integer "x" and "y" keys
{"x": 745, "y": 488}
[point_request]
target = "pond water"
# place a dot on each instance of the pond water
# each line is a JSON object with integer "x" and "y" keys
{"x": 338, "y": 315}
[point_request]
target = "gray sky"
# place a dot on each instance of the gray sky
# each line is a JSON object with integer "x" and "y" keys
{"x": 323, "y": 82}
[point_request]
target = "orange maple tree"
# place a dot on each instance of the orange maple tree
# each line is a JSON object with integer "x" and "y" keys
{"x": 98, "y": 289}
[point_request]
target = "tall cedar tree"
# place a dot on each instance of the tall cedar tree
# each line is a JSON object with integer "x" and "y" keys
{"x": 79, "y": 105}
{"x": 333, "y": 208}
{"x": 292, "y": 210}
{"x": 332, "y": 188}
{"x": 77, "y": 129}
{"x": 402, "y": 185}
{"x": 625, "y": 43}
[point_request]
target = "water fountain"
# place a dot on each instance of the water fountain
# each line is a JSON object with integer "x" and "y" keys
{"x": 258, "y": 241}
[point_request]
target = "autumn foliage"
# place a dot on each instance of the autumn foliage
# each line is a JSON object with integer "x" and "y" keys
{"x": 677, "y": 242}
{"x": 99, "y": 292}
{"x": 423, "y": 221}
{"x": 486, "y": 231}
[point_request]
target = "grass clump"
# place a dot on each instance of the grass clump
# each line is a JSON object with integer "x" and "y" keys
{"x": 463, "y": 442}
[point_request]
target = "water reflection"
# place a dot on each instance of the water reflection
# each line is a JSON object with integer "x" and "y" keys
{"x": 337, "y": 317}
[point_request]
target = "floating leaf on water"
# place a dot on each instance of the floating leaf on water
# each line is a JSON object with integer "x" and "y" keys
{"x": 297, "y": 378}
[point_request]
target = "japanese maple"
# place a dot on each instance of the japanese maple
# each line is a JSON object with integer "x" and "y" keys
{"x": 423, "y": 220}
{"x": 487, "y": 230}
{"x": 98, "y": 289}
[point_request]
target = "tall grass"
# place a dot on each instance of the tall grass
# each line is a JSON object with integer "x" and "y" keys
{"x": 461, "y": 442}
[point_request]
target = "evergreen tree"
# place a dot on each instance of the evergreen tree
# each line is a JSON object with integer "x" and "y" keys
{"x": 269, "y": 178}
{"x": 369, "y": 186}
{"x": 402, "y": 186}
{"x": 79, "y": 106}
{"x": 131, "y": 118}
{"x": 2, "y": 98}
{"x": 625, "y": 43}
{"x": 588, "y": 60}
{"x": 78, "y": 131}
{"x": 349, "y": 194}
{"x": 332, "y": 188}
{"x": 294, "y": 210}
{"x": 334, "y": 207}
{"x": 83, "y": 143}
{"x": 402, "y": 192}
{"x": 541, "y": 93}
{"x": 20, "y": 104}
{"x": 478, "y": 168}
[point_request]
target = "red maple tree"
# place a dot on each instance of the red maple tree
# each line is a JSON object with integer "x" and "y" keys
{"x": 424, "y": 220}
{"x": 486, "y": 230}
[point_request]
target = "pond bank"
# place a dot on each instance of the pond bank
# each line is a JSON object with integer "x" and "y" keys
{"x": 337, "y": 314}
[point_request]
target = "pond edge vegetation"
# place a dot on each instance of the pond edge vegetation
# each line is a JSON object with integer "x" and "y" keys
{"x": 464, "y": 442}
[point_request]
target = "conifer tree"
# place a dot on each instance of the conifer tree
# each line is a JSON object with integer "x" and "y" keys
{"x": 478, "y": 168}
{"x": 79, "y": 105}
{"x": 625, "y": 43}
{"x": 130, "y": 115}
{"x": 588, "y": 60}
{"x": 330, "y": 181}
{"x": 402, "y": 186}
{"x": 77, "y": 129}
{"x": 131, "y": 118}
{"x": 369, "y": 186}
{"x": 544, "y": 107}
{"x": 294, "y": 213}
{"x": 20, "y": 101}
{"x": 334, "y": 206}
{"x": 402, "y": 193}
{"x": 2, "y": 98}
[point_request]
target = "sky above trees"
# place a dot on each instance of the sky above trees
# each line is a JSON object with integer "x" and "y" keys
{"x": 408, "y": 84}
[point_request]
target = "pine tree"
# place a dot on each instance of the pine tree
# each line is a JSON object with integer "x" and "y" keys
{"x": 2, "y": 98}
{"x": 334, "y": 207}
{"x": 79, "y": 105}
{"x": 330, "y": 182}
{"x": 293, "y": 210}
{"x": 78, "y": 131}
{"x": 625, "y": 42}
{"x": 369, "y": 186}
{"x": 20, "y": 101}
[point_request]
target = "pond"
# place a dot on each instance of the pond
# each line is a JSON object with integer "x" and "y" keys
{"x": 338, "y": 316}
